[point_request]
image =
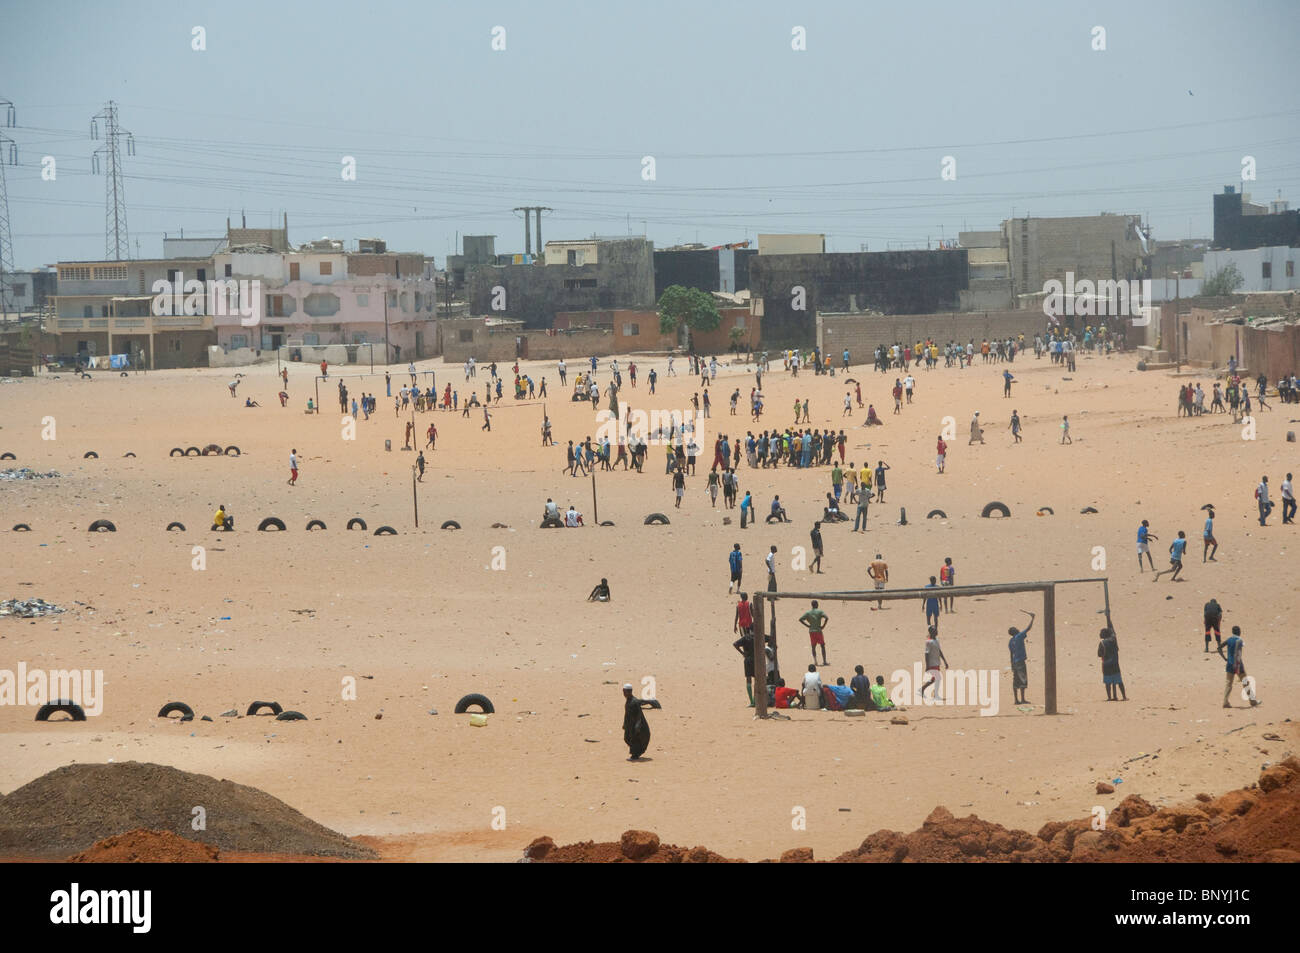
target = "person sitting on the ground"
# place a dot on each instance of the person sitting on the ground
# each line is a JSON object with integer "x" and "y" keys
{"x": 311, "y": 407}
{"x": 843, "y": 694}
{"x": 600, "y": 593}
{"x": 552, "y": 511}
{"x": 572, "y": 517}
{"x": 786, "y": 697}
{"x": 249, "y": 402}
{"x": 222, "y": 521}
{"x": 880, "y": 695}
{"x": 861, "y": 686}
{"x": 812, "y": 688}
{"x": 778, "y": 512}
{"x": 832, "y": 512}
{"x": 872, "y": 419}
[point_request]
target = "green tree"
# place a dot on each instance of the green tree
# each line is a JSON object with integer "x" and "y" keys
{"x": 682, "y": 310}
{"x": 1223, "y": 282}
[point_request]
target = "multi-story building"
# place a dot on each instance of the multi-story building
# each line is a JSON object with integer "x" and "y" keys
{"x": 1090, "y": 247}
{"x": 1239, "y": 223}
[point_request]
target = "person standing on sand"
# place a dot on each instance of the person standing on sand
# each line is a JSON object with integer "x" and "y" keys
{"x": 1265, "y": 504}
{"x": 736, "y": 562}
{"x": 1108, "y": 652}
{"x": 931, "y": 605}
{"x": 1015, "y": 425}
{"x": 770, "y": 561}
{"x": 410, "y": 428}
{"x": 1019, "y": 660}
{"x": 817, "y": 548}
{"x": 1288, "y": 501}
{"x": 432, "y": 435}
{"x": 284, "y": 376}
{"x": 947, "y": 578}
{"x": 388, "y": 384}
{"x": 636, "y": 730}
{"x": 1231, "y": 652}
{"x": 933, "y": 656}
{"x": 487, "y": 420}
{"x": 293, "y": 467}
{"x": 1144, "y": 545}
{"x": 976, "y": 432}
{"x": 941, "y": 453}
{"x": 814, "y": 620}
{"x": 1209, "y": 544}
{"x": 879, "y": 573}
{"x": 419, "y": 465}
{"x": 1065, "y": 429}
{"x": 881, "y": 467}
{"x": 679, "y": 487}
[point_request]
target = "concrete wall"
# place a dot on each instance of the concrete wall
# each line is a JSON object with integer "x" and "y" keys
{"x": 902, "y": 282}
{"x": 241, "y": 357}
{"x": 861, "y": 333}
{"x": 791, "y": 244}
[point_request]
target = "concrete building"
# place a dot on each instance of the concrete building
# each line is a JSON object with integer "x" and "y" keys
{"x": 792, "y": 244}
{"x": 789, "y": 290}
{"x": 723, "y": 268}
{"x": 988, "y": 271}
{"x": 1094, "y": 247}
{"x": 1240, "y": 224}
{"x": 1270, "y": 268}
{"x": 861, "y": 333}
{"x": 585, "y": 275}
{"x": 28, "y": 291}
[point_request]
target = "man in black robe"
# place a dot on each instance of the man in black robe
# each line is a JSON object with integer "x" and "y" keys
{"x": 636, "y": 730}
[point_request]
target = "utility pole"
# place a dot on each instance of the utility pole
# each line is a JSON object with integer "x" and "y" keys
{"x": 7, "y": 155}
{"x": 117, "y": 245}
{"x": 388, "y": 353}
{"x": 528, "y": 238}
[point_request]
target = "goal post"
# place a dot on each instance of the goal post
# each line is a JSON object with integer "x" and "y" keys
{"x": 765, "y": 611}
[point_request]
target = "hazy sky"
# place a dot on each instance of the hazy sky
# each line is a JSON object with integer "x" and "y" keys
{"x": 748, "y": 135}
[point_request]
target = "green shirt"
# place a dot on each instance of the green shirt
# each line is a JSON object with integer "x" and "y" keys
{"x": 837, "y": 476}
{"x": 880, "y": 695}
{"x": 815, "y": 618}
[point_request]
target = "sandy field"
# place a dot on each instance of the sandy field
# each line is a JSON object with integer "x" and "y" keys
{"x": 421, "y": 618}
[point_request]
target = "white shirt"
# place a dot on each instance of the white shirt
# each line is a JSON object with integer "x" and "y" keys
{"x": 571, "y": 518}
{"x": 1262, "y": 490}
{"x": 908, "y": 381}
{"x": 552, "y": 509}
{"x": 293, "y": 461}
{"x": 812, "y": 684}
{"x": 1286, "y": 490}
{"x": 770, "y": 559}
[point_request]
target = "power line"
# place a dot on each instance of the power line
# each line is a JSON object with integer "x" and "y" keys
{"x": 9, "y": 155}
{"x": 117, "y": 245}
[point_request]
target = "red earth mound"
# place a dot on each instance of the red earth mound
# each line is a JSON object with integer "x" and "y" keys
{"x": 1259, "y": 823}
{"x": 147, "y": 847}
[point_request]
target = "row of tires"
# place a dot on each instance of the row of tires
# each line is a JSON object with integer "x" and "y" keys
{"x": 211, "y": 450}
{"x": 88, "y": 455}
{"x": 1001, "y": 509}
{"x": 77, "y": 713}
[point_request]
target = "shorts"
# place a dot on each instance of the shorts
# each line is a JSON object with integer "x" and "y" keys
{"x": 293, "y": 474}
{"x": 817, "y": 638}
{"x": 880, "y": 584}
{"x": 939, "y": 459}
{"x": 1115, "y": 679}
{"x": 1211, "y": 624}
{"x": 1143, "y": 548}
{"x": 735, "y": 577}
{"x": 1020, "y": 674}
{"x": 680, "y": 491}
{"x": 749, "y": 668}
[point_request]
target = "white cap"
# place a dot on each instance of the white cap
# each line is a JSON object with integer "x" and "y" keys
{"x": 627, "y": 686}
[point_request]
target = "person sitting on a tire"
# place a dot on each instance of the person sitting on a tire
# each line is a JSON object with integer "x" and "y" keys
{"x": 552, "y": 513}
{"x": 778, "y": 512}
{"x": 600, "y": 593}
{"x": 221, "y": 521}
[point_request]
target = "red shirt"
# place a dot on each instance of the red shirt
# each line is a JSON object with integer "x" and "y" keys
{"x": 783, "y": 696}
{"x": 943, "y": 447}
{"x": 743, "y": 614}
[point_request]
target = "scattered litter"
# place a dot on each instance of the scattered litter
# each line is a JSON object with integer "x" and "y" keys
{"x": 27, "y": 473}
{"x": 29, "y": 608}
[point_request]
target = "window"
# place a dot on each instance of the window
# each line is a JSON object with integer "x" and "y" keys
{"x": 740, "y": 321}
{"x": 1290, "y": 269}
{"x": 571, "y": 284}
{"x": 1266, "y": 270}
{"x": 466, "y": 335}
{"x": 103, "y": 310}
{"x": 227, "y": 271}
{"x": 203, "y": 275}
{"x": 321, "y": 305}
{"x": 311, "y": 340}
{"x": 175, "y": 344}
{"x": 111, "y": 273}
{"x": 141, "y": 281}
{"x": 573, "y": 257}
{"x": 74, "y": 274}
{"x": 239, "y": 340}
{"x": 20, "y": 291}
{"x": 363, "y": 301}
{"x": 631, "y": 330}
{"x": 293, "y": 271}
{"x": 327, "y": 268}
{"x": 87, "y": 312}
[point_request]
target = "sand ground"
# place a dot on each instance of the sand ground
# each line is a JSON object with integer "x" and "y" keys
{"x": 421, "y": 618}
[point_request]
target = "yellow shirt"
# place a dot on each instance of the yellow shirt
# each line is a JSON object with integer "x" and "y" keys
{"x": 219, "y": 518}
{"x": 864, "y": 475}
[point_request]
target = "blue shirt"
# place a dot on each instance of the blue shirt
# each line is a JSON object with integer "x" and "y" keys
{"x": 842, "y": 692}
{"x": 1176, "y": 550}
{"x": 1017, "y": 646}
{"x": 932, "y": 603}
{"x": 1142, "y": 534}
{"x": 746, "y": 503}
{"x": 735, "y": 558}
{"x": 1209, "y": 528}
{"x": 1231, "y": 647}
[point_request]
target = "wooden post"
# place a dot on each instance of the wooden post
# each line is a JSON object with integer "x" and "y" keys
{"x": 415, "y": 498}
{"x": 595, "y": 513}
{"x": 1049, "y": 650}
{"x": 760, "y": 662}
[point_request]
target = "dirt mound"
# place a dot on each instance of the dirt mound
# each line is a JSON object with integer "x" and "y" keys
{"x": 73, "y": 807}
{"x": 147, "y": 847}
{"x": 1259, "y": 823}
{"x": 634, "y": 847}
